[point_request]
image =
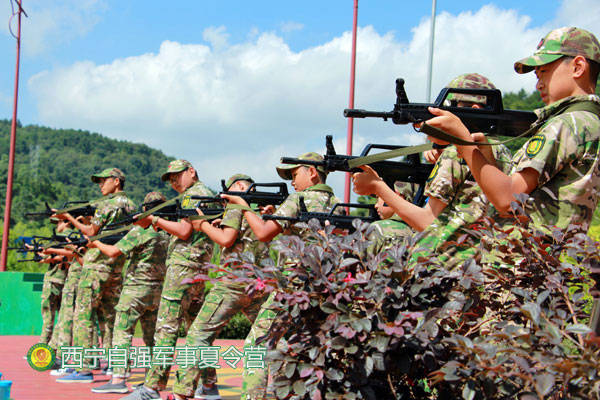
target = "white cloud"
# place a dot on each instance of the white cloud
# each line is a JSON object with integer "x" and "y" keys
{"x": 239, "y": 107}
{"x": 291, "y": 26}
{"x": 51, "y": 24}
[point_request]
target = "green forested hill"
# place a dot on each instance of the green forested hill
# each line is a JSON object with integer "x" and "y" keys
{"x": 55, "y": 165}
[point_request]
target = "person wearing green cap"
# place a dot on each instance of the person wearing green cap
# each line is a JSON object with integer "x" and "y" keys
{"x": 189, "y": 254}
{"x": 99, "y": 287}
{"x": 226, "y": 298}
{"x": 454, "y": 199}
{"x": 558, "y": 167}
{"x": 309, "y": 183}
{"x": 140, "y": 297}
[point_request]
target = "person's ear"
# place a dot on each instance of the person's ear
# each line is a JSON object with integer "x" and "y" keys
{"x": 580, "y": 66}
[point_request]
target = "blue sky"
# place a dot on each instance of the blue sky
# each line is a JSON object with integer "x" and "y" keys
{"x": 175, "y": 75}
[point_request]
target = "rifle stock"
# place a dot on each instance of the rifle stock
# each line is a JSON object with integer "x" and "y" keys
{"x": 260, "y": 197}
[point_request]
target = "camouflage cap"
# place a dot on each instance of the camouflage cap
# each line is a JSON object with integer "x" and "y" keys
{"x": 285, "y": 170}
{"x": 174, "y": 167}
{"x": 237, "y": 177}
{"x": 154, "y": 196}
{"x": 566, "y": 41}
{"x": 469, "y": 81}
{"x": 108, "y": 173}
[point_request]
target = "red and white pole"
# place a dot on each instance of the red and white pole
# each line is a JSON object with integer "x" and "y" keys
{"x": 11, "y": 154}
{"x": 351, "y": 101}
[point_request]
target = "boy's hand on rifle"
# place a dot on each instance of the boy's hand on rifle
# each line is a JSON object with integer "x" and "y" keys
{"x": 365, "y": 183}
{"x": 234, "y": 199}
{"x": 268, "y": 209}
{"x": 144, "y": 222}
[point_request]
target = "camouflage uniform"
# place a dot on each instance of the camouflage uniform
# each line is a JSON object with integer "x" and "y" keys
{"x": 317, "y": 198}
{"x": 54, "y": 280}
{"x": 140, "y": 296}
{"x": 64, "y": 325}
{"x": 388, "y": 232}
{"x": 565, "y": 151}
{"x": 225, "y": 299}
{"x": 100, "y": 284}
{"x": 185, "y": 259}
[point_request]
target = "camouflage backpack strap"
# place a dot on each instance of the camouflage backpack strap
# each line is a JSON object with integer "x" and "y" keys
{"x": 587, "y": 105}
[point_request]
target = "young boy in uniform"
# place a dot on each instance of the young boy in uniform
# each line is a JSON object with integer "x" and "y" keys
{"x": 187, "y": 256}
{"x": 558, "y": 166}
{"x": 140, "y": 297}
{"x": 454, "y": 199}
{"x": 226, "y": 297}
{"x": 99, "y": 287}
{"x": 309, "y": 183}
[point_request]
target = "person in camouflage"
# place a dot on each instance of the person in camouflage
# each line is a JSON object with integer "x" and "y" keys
{"x": 100, "y": 284}
{"x": 309, "y": 183}
{"x": 558, "y": 166}
{"x": 454, "y": 199}
{"x": 390, "y": 228}
{"x": 226, "y": 298}
{"x": 188, "y": 254}
{"x": 140, "y": 296}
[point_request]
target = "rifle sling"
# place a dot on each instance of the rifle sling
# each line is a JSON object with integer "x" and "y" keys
{"x": 429, "y": 130}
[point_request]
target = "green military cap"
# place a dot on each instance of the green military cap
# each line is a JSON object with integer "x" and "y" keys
{"x": 109, "y": 173}
{"x": 566, "y": 41}
{"x": 237, "y": 177}
{"x": 469, "y": 81}
{"x": 285, "y": 170}
{"x": 154, "y": 196}
{"x": 176, "y": 166}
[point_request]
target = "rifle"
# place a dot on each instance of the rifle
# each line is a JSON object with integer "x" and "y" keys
{"x": 412, "y": 170}
{"x": 491, "y": 119}
{"x": 186, "y": 207}
{"x": 75, "y": 208}
{"x": 339, "y": 221}
{"x": 35, "y": 244}
{"x": 258, "y": 197}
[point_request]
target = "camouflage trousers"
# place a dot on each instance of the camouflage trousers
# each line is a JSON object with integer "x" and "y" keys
{"x": 137, "y": 303}
{"x": 97, "y": 295}
{"x": 51, "y": 299}
{"x": 176, "y": 308}
{"x": 255, "y": 381}
{"x": 222, "y": 302}
{"x": 64, "y": 325}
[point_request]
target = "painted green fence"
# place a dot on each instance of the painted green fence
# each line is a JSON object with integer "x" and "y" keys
{"x": 20, "y": 300}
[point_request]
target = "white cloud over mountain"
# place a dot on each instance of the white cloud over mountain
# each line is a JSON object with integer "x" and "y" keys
{"x": 239, "y": 107}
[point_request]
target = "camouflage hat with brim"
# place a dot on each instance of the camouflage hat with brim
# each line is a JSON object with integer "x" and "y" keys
{"x": 174, "y": 167}
{"x": 566, "y": 41}
{"x": 154, "y": 196}
{"x": 285, "y": 170}
{"x": 109, "y": 173}
{"x": 469, "y": 81}
{"x": 237, "y": 177}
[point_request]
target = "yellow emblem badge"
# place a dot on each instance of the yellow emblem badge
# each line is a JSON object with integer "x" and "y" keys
{"x": 41, "y": 357}
{"x": 535, "y": 145}
{"x": 186, "y": 202}
{"x": 434, "y": 172}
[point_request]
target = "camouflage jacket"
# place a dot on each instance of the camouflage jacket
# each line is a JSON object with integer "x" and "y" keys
{"x": 451, "y": 182}
{"x": 246, "y": 240}
{"x": 389, "y": 231}
{"x": 317, "y": 198}
{"x": 565, "y": 152}
{"x": 147, "y": 251}
{"x": 108, "y": 210}
{"x": 198, "y": 248}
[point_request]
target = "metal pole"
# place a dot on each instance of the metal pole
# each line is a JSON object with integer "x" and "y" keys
{"x": 11, "y": 154}
{"x": 431, "y": 37}
{"x": 351, "y": 101}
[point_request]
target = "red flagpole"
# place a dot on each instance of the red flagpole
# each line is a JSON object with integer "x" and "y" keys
{"x": 351, "y": 101}
{"x": 13, "y": 139}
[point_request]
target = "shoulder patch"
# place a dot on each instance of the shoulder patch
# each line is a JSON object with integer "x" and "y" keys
{"x": 186, "y": 202}
{"x": 535, "y": 145}
{"x": 434, "y": 172}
